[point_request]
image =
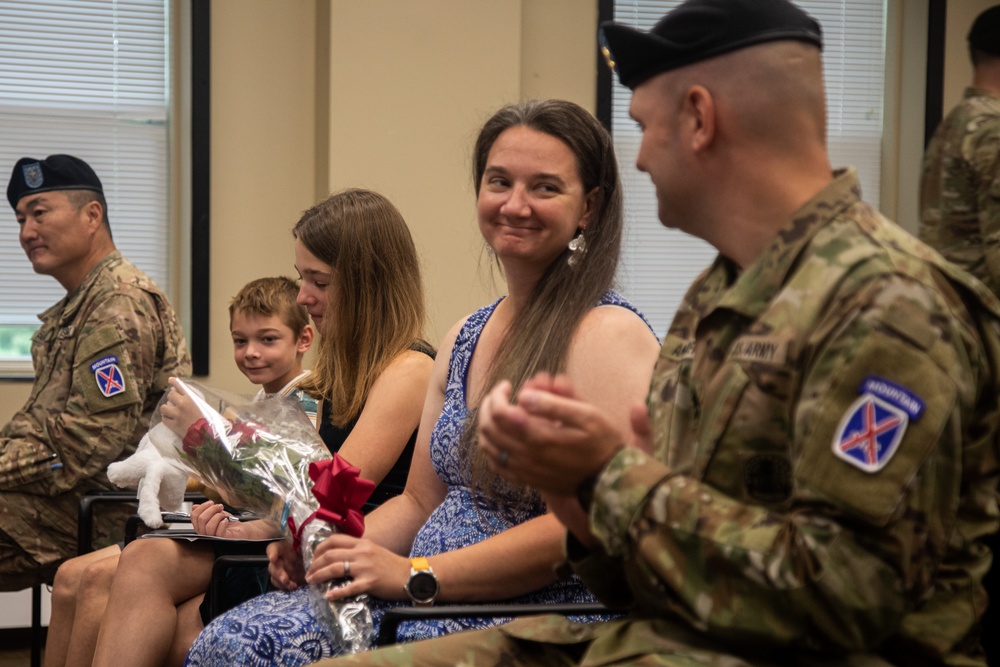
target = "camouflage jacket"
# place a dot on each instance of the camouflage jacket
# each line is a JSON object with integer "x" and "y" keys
{"x": 960, "y": 187}
{"x": 825, "y": 460}
{"x": 102, "y": 357}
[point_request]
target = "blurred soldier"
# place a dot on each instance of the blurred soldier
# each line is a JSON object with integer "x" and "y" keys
{"x": 819, "y": 462}
{"x": 102, "y": 357}
{"x": 960, "y": 190}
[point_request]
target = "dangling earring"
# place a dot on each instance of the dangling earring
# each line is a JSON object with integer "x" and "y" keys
{"x": 577, "y": 249}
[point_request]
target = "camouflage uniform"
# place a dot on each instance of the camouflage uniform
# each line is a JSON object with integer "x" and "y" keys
{"x": 102, "y": 358}
{"x": 825, "y": 465}
{"x": 960, "y": 189}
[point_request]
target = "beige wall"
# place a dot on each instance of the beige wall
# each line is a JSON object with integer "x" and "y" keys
{"x": 311, "y": 97}
{"x": 263, "y": 149}
{"x": 408, "y": 92}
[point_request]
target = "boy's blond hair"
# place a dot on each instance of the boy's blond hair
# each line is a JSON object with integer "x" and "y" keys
{"x": 271, "y": 296}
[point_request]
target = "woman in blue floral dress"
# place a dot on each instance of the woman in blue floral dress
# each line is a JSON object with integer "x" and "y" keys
{"x": 549, "y": 206}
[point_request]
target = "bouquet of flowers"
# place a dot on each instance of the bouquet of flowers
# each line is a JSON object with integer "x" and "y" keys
{"x": 266, "y": 457}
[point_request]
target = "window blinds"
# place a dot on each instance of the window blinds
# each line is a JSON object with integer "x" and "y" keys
{"x": 89, "y": 78}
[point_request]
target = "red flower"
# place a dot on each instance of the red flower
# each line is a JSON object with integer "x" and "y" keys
{"x": 195, "y": 437}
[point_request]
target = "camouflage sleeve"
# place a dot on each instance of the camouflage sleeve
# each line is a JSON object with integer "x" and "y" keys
{"x": 985, "y": 162}
{"x": 88, "y": 412}
{"x": 841, "y": 562}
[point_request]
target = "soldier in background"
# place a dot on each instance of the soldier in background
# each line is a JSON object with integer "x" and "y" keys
{"x": 960, "y": 188}
{"x": 819, "y": 465}
{"x": 102, "y": 357}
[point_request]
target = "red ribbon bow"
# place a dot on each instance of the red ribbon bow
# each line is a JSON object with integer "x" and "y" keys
{"x": 341, "y": 494}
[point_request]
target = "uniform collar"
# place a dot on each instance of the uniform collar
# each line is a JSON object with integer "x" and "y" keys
{"x": 70, "y": 304}
{"x": 749, "y": 292}
{"x": 972, "y": 91}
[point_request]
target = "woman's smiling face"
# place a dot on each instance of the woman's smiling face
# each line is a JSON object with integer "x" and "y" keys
{"x": 531, "y": 199}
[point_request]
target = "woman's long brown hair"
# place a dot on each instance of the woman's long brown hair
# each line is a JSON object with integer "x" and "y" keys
{"x": 375, "y": 309}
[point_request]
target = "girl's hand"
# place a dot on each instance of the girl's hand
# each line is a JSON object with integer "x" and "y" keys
{"x": 212, "y": 519}
{"x": 179, "y": 412}
{"x": 372, "y": 569}
{"x": 285, "y": 565}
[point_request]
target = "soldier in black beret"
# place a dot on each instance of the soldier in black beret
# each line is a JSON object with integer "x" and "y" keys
{"x": 56, "y": 172}
{"x": 814, "y": 473}
{"x": 67, "y": 256}
{"x": 102, "y": 357}
{"x": 702, "y": 29}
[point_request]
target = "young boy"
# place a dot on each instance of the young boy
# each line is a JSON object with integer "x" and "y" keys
{"x": 271, "y": 333}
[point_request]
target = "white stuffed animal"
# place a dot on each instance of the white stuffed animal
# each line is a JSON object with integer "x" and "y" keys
{"x": 159, "y": 477}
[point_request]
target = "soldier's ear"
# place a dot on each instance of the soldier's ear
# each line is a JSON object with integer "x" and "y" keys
{"x": 94, "y": 213}
{"x": 699, "y": 113}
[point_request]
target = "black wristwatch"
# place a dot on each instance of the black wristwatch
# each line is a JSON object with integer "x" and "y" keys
{"x": 422, "y": 587}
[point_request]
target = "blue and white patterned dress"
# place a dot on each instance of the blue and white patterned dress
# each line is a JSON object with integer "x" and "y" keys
{"x": 280, "y": 629}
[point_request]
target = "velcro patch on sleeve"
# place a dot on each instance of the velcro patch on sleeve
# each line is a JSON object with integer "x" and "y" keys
{"x": 873, "y": 426}
{"x": 103, "y": 373}
{"x": 108, "y": 375}
{"x": 873, "y": 431}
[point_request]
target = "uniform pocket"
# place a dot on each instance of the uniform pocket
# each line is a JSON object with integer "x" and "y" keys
{"x": 720, "y": 405}
{"x": 744, "y": 445}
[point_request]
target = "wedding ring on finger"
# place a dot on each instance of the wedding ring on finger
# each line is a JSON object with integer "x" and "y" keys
{"x": 347, "y": 569}
{"x": 502, "y": 458}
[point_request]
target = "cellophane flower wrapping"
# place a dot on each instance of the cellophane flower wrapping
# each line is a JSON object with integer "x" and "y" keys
{"x": 266, "y": 457}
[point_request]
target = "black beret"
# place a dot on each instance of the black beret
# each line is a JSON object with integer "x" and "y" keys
{"x": 56, "y": 172}
{"x": 702, "y": 29}
{"x": 985, "y": 33}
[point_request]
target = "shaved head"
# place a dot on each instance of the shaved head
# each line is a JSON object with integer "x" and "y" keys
{"x": 772, "y": 93}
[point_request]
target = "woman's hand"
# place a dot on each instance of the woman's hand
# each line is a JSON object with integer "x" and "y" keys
{"x": 285, "y": 565}
{"x": 373, "y": 569}
{"x": 179, "y": 412}
{"x": 549, "y": 439}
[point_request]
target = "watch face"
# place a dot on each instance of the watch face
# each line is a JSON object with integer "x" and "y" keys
{"x": 423, "y": 586}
